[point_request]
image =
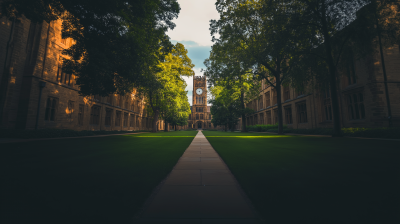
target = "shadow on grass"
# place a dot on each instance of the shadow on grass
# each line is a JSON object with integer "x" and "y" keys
{"x": 85, "y": 180}
{"x": 299, "y": 179}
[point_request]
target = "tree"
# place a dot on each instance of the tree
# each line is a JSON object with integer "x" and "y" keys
{"x": 226, "y": 106}
{"x": 380, "y": 20}
{"x": 270, "y": 46}
{"x": 228, "y": 68}
{"x": 164, "y": 88}
{"x": 115, "y": 41}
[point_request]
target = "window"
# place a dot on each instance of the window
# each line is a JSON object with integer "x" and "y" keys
{"x": 190, "y": 117}
{"x": 197, "y": 116}
{"x": 97, "y": 98}
{"x": 62, "y": 76}
{"x": 286, "y": 93}
{"x": 261, "y": 118}
{"x": 301, "y": 112}
{"x": 132, "y": 121}
{"x": 274, "y": 95}
{"x": 267, "y": 99}
{"x": 51, "y": 105}
{"x": 126, "y": 119}
{"x": 95, "y": 115}
{"x": 351, "y": 71}
{"x": 126, "y": 104}
{"x": 288, "y": 115}
{"x": 133, "y": 105}
{"x": 260, "y": 103}
{"x": 199, "y": 109}
{"x": 109, "y": 99}
{"x": 201, "y": 116}
{"x": 209, "y": 125}
{"x": 355, "y": 104}
{"x": 109, "y": 113}
{"x": 269, "y": 117}
{"x": 118, "y": 115}
{"x": 275, "y": 116}
{"x": 209, "y": 116}
{"x": 80, "y": 114}
{"x": 70, "y": 109}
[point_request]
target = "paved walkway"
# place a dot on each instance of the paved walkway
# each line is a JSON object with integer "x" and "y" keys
{"x": 201, "y": 190}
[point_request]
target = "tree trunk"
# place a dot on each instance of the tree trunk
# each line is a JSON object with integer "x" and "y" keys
{"x": 279, "y": 102}
{"x": 155, "y": 120}
{"x": 243, "y": 115}
{"x": 332, "y": 79}
{"x": 166, "y": 128}
{"x": 384, "y": 72}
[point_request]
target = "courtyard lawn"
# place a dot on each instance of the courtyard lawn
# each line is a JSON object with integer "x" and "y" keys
{"x": 299, "y": 179}
{"x": 85, "y": 180}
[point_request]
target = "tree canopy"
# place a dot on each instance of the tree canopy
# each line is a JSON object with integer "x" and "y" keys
{"x": 116, "y": 41}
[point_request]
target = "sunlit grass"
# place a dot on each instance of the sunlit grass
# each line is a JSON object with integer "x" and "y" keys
{"x": 300, "y": 179}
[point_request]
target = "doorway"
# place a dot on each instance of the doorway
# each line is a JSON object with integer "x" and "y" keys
{"x": 199, "y": 125}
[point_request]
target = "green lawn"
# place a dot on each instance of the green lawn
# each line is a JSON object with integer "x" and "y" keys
{"x": 86, "y": 180}
{"x": 299, "y": 179}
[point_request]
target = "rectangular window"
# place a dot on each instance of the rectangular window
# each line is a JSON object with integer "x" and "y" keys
{"x": 301, "y": 112}
{"x": 201, "y": 116}
{"x": 260, "y": 103}
{"x": 275, "y": 97}
{"x": 81, "y": 114}
{"x": 351, "y": 72}
{"x": 190, "y": 117}
{"x": 197, "y": 116}
{"x": 133, "y": 105}
{"x": 288, "y": 115}
{"x": 268, "y": 99}
{"x": 209, "y": 116}
{"x": 118, "y": 115}
{"x": 126, "y": 119}
{"x": 275, "y": 116}
{"x": 209, "y": 125}
{"x": 108, "y": 117}
{"x": 355, "y": 105}
{"x": 132, "y": 121}
{"x": 261, "y": 118}
{"x": 62, "y": 76}
{"x": 70, "y": 109}
{"x": 286, "y": 93}
{"x": 269, "y": 117}
{"x": 95, "y": 115}
{"x": 51, "y": 106}
{"x": 109, "y": 99}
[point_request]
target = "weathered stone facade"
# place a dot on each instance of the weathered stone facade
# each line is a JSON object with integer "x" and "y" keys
{"x": 200, "y": 117}
{"x": 30, "y": 62}
{"x": 361, "y": 93}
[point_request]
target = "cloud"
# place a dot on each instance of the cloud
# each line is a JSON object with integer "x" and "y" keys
{"x": 193, "y": 22}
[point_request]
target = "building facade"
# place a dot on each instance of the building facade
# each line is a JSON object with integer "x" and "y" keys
{"x": 35, "y": 93}
{"x": 200, "y": 117}
{"x": 361, "y": 94}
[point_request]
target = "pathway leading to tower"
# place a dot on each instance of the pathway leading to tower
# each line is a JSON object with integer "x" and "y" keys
{"x": 201, "y": 190}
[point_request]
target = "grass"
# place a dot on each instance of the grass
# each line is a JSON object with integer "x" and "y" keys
{"x": 299, "y": 179}
{"x": 85, "y": 180}
{"x": 55, "y": 133}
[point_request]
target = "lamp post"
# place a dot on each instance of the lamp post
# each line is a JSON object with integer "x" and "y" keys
{"x": 41, "y": 86}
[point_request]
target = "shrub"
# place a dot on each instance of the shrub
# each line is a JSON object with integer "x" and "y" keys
{"x": 389, "y": 133}
{"x": 54, "y": 133}
{"x": 263, "y": 127}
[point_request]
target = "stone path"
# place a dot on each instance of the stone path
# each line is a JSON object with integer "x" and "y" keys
{"x": 201, "y": 190}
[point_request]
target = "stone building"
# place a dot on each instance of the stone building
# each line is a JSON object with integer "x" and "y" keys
{"x": 361, "y": 93}
{"x": 200, "y": 118}
{"x": 35, "y": 93}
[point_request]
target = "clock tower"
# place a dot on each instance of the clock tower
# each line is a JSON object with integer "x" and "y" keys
{"x": 201, "y": 116}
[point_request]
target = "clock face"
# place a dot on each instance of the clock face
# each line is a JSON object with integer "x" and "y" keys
{"x": 199, "y": 91}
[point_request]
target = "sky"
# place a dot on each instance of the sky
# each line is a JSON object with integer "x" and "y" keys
{"x": 192, "y": 30}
